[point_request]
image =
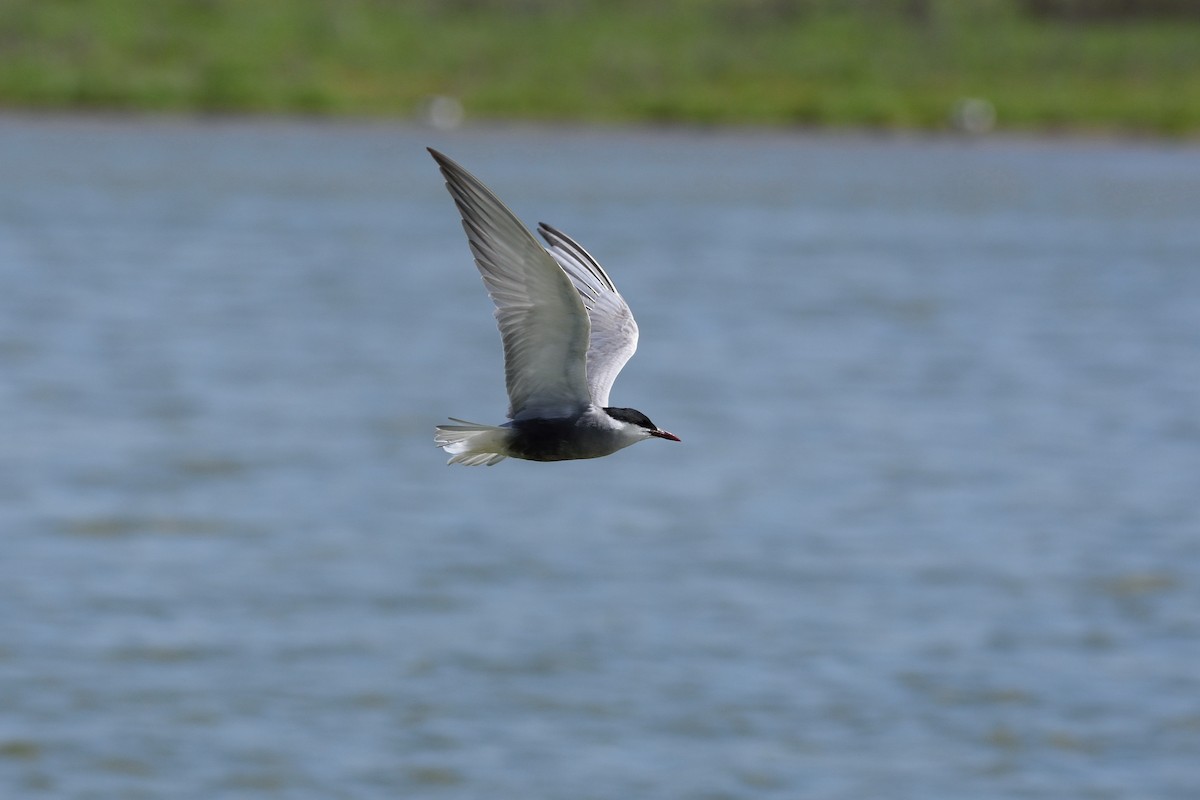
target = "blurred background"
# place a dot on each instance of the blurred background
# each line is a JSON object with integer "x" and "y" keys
{"x": 1128, "y": 65}
{"x": 917, "y": 285}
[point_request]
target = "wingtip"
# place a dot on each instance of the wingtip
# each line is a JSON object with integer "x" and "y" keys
{"x": 445, "y": 163}
{"x": 551, "y": 234}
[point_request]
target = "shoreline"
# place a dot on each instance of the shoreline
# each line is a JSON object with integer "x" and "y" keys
{"x": 791, "y": 64}
{"x": 1058, "y": 134}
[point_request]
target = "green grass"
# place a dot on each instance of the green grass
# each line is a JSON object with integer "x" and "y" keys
{"x": 777, "y": 62}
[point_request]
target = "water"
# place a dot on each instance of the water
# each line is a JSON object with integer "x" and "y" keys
{"x": 932, "y": 532}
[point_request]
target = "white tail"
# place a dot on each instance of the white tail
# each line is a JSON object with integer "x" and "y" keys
{"x": 471, "y": 444}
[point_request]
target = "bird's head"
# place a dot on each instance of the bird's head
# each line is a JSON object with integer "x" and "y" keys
{"x": 638, "y": 422}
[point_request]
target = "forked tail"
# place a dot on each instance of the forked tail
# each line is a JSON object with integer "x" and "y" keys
{"x": 471, "y": 444}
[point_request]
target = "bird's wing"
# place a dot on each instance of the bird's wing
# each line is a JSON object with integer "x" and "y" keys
{"x": 542, "y": 320}
{"x": 614, "y": 332}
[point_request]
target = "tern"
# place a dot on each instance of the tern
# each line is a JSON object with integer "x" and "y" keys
{"x": 567, "y": 333}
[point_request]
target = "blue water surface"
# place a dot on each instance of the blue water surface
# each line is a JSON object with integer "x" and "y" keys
{"x": 933, "y": 530}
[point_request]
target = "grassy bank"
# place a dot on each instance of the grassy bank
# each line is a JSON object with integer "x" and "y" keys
{"x": 899, "y": 64}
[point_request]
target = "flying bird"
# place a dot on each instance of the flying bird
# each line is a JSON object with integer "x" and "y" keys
{"x": 567, "y": 333}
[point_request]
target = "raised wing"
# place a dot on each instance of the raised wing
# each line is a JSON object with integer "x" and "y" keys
{"x": 614, "y": 333}
{"x": 542, "y": 319}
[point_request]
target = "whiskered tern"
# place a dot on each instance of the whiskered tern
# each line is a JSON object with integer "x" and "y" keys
{"x": 567, "y": 333}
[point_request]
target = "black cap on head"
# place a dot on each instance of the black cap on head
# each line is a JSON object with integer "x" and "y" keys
{"x": 633, "y": 416}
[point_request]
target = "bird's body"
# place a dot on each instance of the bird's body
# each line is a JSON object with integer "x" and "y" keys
{"x": 567, "y": 333}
